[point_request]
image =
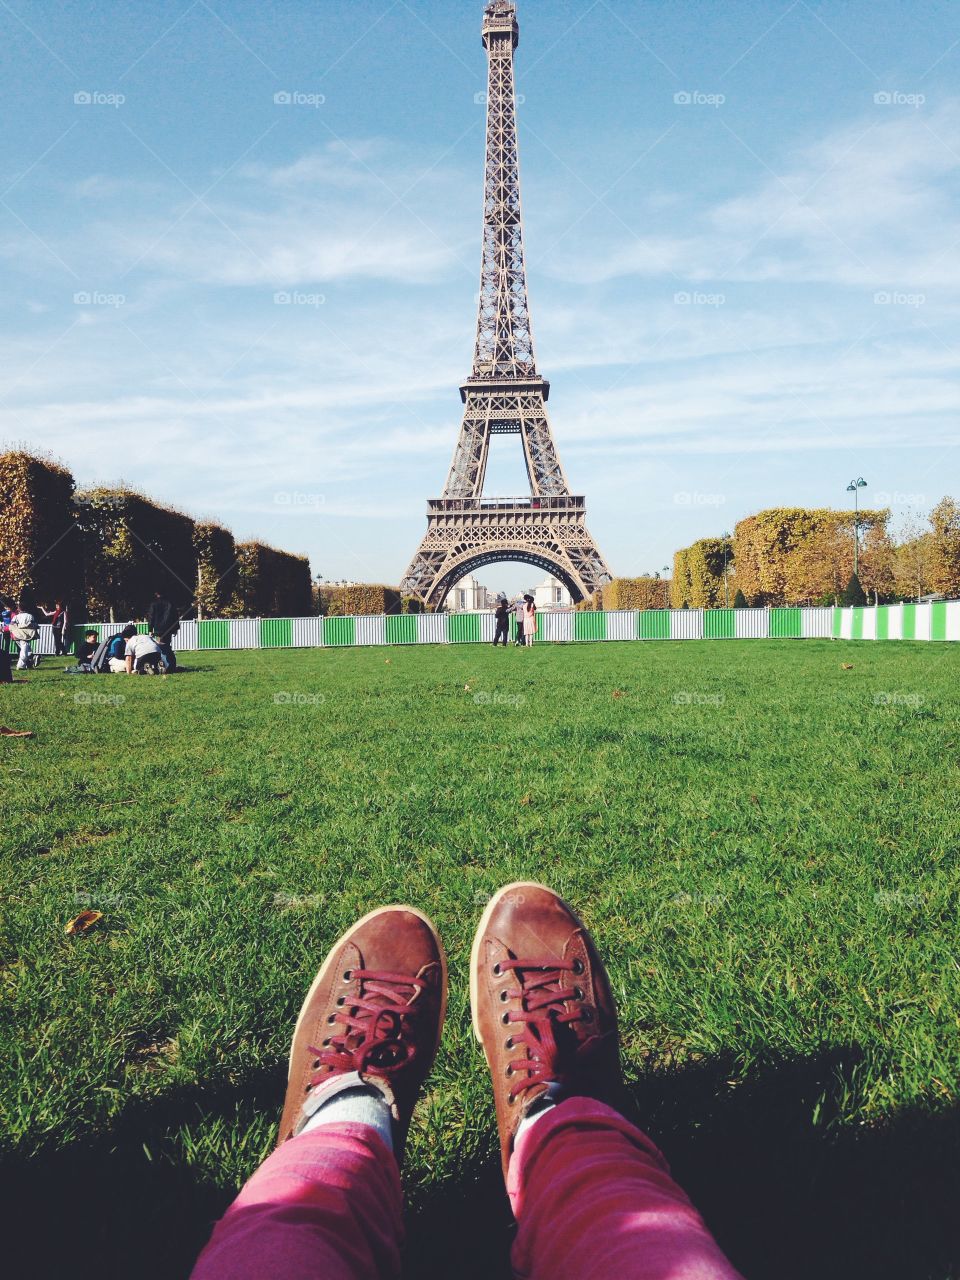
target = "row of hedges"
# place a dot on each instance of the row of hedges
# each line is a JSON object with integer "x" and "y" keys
{"x": 360, "y": 598}
{"x": 106, "y": 551}
{"x": 635, "y": 593}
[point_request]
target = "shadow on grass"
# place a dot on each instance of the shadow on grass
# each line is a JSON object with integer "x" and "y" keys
{"x": 786, "y": 1198}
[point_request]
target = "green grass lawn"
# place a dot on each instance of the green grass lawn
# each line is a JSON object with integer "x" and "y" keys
{"x": 764, "y": 844}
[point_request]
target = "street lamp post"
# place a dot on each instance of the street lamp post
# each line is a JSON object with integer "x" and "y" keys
{"x": 854, "y": 487}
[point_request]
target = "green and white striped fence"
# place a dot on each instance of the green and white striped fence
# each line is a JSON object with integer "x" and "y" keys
{"x": 939, "y": 620}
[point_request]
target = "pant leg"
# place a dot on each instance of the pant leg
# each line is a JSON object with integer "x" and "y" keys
{"x": 325, "y": 1206}
{"x": 594, "y": 1199}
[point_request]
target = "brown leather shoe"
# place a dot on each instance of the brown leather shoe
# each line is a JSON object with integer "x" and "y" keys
{"x": 375, "y": 1009}
{"x": 542, "y": 1006}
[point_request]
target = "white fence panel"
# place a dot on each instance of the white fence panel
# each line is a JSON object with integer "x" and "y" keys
{"x": 869, "y": 624}
{"x": 556, "y": 626}
{"x": 924, "y": 612}
{"x": 816, "y": 624}
{"x": 488, "y": 627}
{"x": 431, "y": 628}
{"x": 371, "y": 630}
{"x": 622, "y": 624}
{"x": 846, "y": 625}
{"x": 244, "y": 633}
{"x": 188, "y": 637}
{"x": 751, "y": 624}
{"x": 306, "y": 633}
{"x": 686, "y": 624}
{"x": 895, "y": 622}
{"x": 953, "y": 619}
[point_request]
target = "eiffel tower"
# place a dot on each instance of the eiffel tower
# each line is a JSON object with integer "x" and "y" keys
{"x": 504, "y": 394}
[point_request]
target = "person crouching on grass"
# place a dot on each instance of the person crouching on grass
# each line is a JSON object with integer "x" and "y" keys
{"x": 142, "y": 653}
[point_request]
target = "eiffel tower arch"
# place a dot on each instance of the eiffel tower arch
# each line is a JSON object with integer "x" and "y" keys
{"x": 504, "y": 394}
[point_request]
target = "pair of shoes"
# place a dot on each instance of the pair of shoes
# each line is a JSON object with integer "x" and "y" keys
{"x": 542, "y": 1010}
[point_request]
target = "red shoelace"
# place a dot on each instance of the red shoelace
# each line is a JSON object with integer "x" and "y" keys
{"x": 551, "y": 1046}
{"x": 376, "y": 1033}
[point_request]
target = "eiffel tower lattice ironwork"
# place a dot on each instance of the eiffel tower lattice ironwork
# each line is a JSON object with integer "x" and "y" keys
{"x": 504, "y": 393}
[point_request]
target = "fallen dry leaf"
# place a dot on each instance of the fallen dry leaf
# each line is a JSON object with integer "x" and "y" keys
{"x": 617, "y": 693}
{"x": 15, "y": 733}
{"x": 847, "y": 666}
{"x": 525, "y": 800}
{"x": 83, "y": 922}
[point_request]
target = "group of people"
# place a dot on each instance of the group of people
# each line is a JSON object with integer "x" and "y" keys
{"x": 524, "y": 609}
{"x": 125, "y": 652}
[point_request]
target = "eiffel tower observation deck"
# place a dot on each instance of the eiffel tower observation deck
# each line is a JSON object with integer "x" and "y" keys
{"x": 504, "y": 393}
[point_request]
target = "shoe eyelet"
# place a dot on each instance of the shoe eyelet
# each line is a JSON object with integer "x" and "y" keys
{"x": 504, "y": 996}
{"x": 341, "y": 1000}
{"x": 347, "y": 975}
{"x": 308, "y": 1088}
{"x": 577, "y": 993}
{"x": 587, "y": 1015}
{"x": 508, "y": 1043}
{"x": 332, "y": 1019}
{"x": 505, "y": 1017}
{"x": 324, "y": 1045}
{"x": 509, "y": 1071}
{"x": 578, "y": 966}
{"x": 496, "y": 970}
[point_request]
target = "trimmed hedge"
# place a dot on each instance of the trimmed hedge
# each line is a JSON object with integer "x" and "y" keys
{"x": 218, "y": 569}
{"x": 272, "y": 583}
{"x": 636, "y": 593}
{"x": 41, "y": 555}
{"x": 359, "y": 600}
{"x": 132, "y": 548}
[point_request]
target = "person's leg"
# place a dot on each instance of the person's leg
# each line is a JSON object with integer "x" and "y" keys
{"x": 326, "y": 1205}
{"x": 25, "y": 652}
{"x": 167, "y": 655}
{"x": 592, "y": 1195}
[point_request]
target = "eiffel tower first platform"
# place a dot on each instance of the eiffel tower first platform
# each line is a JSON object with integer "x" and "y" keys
{"x": 504, "y": 394}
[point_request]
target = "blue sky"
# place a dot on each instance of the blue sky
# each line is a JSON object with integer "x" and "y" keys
{"x": 742, "y": 234}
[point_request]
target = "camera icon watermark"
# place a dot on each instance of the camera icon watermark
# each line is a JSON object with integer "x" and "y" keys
{"x": 480, "y": 99}
{"x": 297, "y": 98}
{"x": 287, "y": 698}
{"x": 294, "y": 498}
{"x": 896, "y": 98}
{"x": 697, "y": 299}
{"x": 87, "y": 698}
{"x": 696, "y": 98}
{"x": 895, "y": 298}
{"x": 688, "y": 698}
{"x": 693, "y": 498}
{"x": 498, "y": 699}
{"x": 96, "y": 98}
{"x": 87, "y": 298}
{"x": 295, "y": 298}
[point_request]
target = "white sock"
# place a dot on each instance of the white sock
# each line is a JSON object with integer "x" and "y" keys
{"x": 545, "y": 1103}
{"x": 353, "y": 1103}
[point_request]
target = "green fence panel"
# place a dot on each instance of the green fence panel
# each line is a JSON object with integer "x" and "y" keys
{"x": 654, "y": 624}
{"x": 837, "y": 623}
{"x": 589, "y": 625}
{"x": 719, "y": 624}
{"x": 938, "y": 620}
{"x": 786, "y": 624}
{"x": 213, "y": 634}
{"x": 339, "y": 631}
{"x": 856, "y": 623}
{"x": 883, "y": 622}
{"x": 909, "y": 631}
{"x": 276, "y": 633}
{"x": 463, "y": 628}
{"x": 401, "y": 628}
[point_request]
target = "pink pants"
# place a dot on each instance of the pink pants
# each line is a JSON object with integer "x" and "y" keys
{"x": 592, "y": 1196}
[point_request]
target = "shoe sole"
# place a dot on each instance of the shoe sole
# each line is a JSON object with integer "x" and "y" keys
{"x": 331, "y": 956}
{"x": 481, "y": 929}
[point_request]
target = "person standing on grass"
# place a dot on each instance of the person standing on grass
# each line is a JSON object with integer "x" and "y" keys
{"x": 502, "y": 616}
{"x": 529, "y": 619}
{"x": 164, "y": 624}
{"x": 518, "y": 609}
{"x": 591, "y": 1194}
{"x": 24, "y": 629}
{"x": 59, "y": 626}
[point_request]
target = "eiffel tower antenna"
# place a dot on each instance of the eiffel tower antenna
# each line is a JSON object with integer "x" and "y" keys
{"x": 504, "y": 393}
